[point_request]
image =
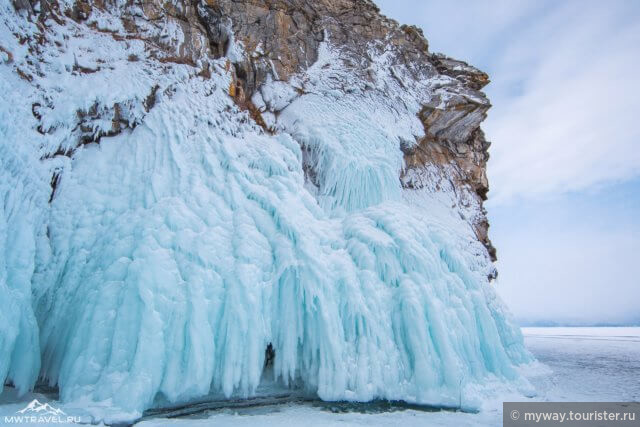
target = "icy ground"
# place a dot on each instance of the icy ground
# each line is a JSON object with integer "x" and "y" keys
{"x": 583, "y": 364}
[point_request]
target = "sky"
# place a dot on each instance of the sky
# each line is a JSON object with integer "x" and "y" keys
{"x": 564, "y": 173}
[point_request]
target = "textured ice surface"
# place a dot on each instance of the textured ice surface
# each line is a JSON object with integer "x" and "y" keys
{"x": 174, "y": 252}
{"x": 23, "y": 198}
{"x": 582, "y": 364}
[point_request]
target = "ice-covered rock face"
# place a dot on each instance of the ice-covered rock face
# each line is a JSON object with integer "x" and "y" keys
{"x": 175, "y": 202}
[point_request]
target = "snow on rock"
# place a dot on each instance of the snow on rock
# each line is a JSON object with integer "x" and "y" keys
{"x": 155, "y": 240}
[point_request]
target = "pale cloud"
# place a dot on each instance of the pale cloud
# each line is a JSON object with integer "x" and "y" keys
{"x": 565, "y": 86}
{"x": 571, "y": 260}
{"x": 565, "y": 160}
{"x": 583, "y": 277}
{"x": 573, "y": 125}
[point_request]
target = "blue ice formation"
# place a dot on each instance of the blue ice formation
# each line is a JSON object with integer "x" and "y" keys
{"x": 172, "y": 254}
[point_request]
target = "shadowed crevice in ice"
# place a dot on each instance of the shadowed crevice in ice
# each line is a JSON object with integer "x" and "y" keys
{"x": 268, "y": 404}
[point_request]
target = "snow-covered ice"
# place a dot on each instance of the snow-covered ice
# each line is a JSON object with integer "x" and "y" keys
{"x": 590, "y": 364}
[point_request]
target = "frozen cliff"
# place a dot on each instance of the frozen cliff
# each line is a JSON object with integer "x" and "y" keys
{"x": 193, "y": 191}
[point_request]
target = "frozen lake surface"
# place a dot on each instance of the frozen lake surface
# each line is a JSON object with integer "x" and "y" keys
{"x": 585, "y": 364}
{"x": 589, "y": 364}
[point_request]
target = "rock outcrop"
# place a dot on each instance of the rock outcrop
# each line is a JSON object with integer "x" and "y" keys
{"x": 280, "y": 39}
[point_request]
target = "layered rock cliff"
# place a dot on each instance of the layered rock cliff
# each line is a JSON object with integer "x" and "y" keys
{"x": 190, "y": 182}
{"x": 278, "y": 40}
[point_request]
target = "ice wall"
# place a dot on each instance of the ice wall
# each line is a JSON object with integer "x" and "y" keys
{"x": 22, "y": 201}
{"x": 172, "y": 252}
